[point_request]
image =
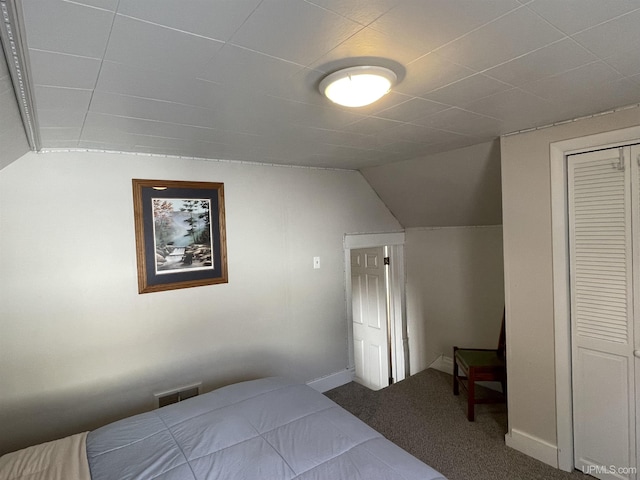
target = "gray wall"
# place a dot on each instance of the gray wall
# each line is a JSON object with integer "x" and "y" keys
{"x": 13, "y": 141}
{"x": 80, "y": 347}
{"x": 455, "y": 290}
{"x": 528, "y": 273}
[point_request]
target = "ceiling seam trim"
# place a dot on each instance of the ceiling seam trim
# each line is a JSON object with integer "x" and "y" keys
{"x": 15, "y": 53}
{"x": 563, "y": 122}
{"x": 180, "y": 157}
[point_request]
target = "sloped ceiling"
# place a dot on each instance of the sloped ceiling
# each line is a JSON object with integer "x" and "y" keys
{"x": 456, "y": 188}
{"x": 13, "y": 141}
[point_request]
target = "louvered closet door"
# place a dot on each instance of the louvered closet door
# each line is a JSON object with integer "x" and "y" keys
{"x": 600, "y": 210}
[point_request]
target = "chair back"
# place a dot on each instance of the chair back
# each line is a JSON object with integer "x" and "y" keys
{"x": 502, "y": 340}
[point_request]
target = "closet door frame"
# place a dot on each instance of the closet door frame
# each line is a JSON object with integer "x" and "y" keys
{"x": 561, "y": 280}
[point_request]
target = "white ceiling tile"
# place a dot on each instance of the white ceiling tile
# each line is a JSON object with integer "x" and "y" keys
{"x": 234, "y": 65}
{"x": 572, "y": 16}
{"x": 466, "y": 90}
{"x": 153, "y": 47}
{"x": 610, "y": 38}
{"x": 164, "y": 129}
{"x": 585, "y": 81}
{"x": 136, "y": 107}
{"x": 627, "y": 62}
{"x": 68, "y": 143}
{"x": 411, "y": 109}
{"x": 370, "y": 43}
{"x": 419, "y": 134}
{"x": 293, "y": 30}
{"x": 428, "y": 25}
{"x": 130, "y": 80}
{"x": 167, "y": 145}
{"x": 110, "y": 5}
{"x": 404, "y": 148}
{"x": 550, "y": 60}
{"x": 512, "y": 35}
{"x": 217, "y": 20}
{"x": 464, "y": 122}
{"x": 361, "y": 11}
{"x": 62, "y": 70}
{"x": 60, "y": 118}
{"x": 302, "y": 86}
{"x": 430, "y": 72}
{"x": 619, "y": 93}
{"x": 371, "y": 125}
{"x": 59, "y": 98}
{"x": 48, "y": 136}
{"x": 516, "y": 108}
{"x": 332, "y": 137}
{"x": 634, "y": 79}
{"x": 66, "y": 27}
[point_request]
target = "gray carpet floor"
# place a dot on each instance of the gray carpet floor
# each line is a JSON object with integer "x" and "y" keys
{"x": 421, "y": 415}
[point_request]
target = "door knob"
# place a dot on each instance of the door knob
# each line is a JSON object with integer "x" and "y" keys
{"x": 636, "y": 353}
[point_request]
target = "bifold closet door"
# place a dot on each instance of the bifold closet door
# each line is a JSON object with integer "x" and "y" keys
{"x": 601, "y": 209}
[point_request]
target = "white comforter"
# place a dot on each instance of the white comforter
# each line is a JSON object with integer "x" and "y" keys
{"x": 64, "y": 459}
{"x": 268, "y": 429}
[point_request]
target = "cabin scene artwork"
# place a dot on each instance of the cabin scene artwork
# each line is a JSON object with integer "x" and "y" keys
{"x": 182, "y": 234}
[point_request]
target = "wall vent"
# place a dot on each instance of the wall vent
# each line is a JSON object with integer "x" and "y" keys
{"x": 178, "y": 394}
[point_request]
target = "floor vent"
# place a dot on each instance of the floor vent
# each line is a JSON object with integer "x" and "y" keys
{"x": 178, "y": 394}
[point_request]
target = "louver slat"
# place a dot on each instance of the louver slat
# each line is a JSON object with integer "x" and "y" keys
{"x": 600, "y": 253}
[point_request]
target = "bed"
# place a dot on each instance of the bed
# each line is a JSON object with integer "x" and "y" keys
{"x": 270, "y": 428}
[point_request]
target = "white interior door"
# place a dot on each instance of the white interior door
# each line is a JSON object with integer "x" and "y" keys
{"x": 369, "y": 303}
{"x": 602, "y": 305}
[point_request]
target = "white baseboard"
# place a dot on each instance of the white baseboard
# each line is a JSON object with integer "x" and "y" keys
{"x": 532, "y": 446}
{"x": 444, "y": 364}
{"x": 333, "y": 380}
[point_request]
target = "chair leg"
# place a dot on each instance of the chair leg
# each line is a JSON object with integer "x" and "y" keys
{"x": 471, "y": 392}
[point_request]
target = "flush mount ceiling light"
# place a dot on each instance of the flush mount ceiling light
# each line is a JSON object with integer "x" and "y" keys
{"x": 357, "y": 86}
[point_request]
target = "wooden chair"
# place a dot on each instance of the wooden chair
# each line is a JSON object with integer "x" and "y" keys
{"x": 480, "y": 365}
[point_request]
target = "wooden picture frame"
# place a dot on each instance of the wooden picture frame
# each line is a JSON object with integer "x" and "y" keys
{"x": 180, "y": 234}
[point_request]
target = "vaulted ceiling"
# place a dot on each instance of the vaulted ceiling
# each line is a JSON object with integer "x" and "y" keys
{"x": 237, "y": 79}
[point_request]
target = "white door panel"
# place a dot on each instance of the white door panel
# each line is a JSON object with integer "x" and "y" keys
{"x": 356, "y": 298}
{"x": 369, "y": 317}
{"x": 375, "y": 304}
{"x": 603, "y": 393}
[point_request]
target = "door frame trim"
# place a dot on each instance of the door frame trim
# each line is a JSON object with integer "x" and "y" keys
{"x": 561, "y": 282}
{"x": 395, "y": 240}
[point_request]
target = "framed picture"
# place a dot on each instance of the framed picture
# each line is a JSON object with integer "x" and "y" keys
{"x": 180, "y": 234}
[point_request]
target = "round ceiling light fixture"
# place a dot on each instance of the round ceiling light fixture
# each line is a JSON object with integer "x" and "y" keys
{"x": 358, "y": 86}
